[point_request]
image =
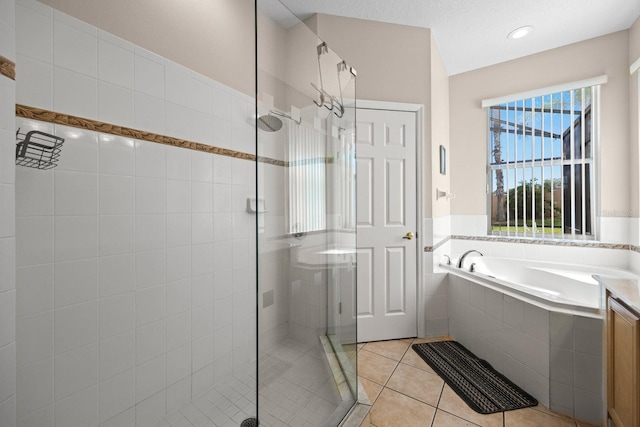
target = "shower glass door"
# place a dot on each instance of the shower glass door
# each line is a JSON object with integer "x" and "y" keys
{"x": 305, "y": 216}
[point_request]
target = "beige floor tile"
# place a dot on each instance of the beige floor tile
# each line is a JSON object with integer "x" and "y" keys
{"x": 450, "y": 402}
{"x": 391, "y": 349}
{"x": 411, "y": 358}
{"x": 416, "y": 383}
{"x": 409, "y": 340}
{"x": 393, "y": 409}
{"x": 374, "y": 367}
{"x": 445, "y": 419}
{"x": 546, "y": 410}
{"x": 372, "y": 389}
{"x": 531, "y": 418}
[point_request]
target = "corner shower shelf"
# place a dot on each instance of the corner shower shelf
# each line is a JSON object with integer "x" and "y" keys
{"x": 37, "y": 149}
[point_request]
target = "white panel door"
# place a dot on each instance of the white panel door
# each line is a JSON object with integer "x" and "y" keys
{"x": 386, "y": 212}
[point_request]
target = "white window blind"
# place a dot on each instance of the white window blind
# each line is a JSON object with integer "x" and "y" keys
{"x": 306, "y": 155}
{"x": 542, "y": 165}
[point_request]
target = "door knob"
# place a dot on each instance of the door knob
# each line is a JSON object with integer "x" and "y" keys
{"x": 408, "y": 236}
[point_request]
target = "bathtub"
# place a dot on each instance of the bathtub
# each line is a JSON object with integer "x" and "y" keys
{"x": 535, "y": 322}
{"x": 568, "y": 288}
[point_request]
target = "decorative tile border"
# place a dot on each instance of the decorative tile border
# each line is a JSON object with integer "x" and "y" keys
{"x": 96, "y": 126}
{"x": 567, "y": 243}
{"x": 7, "y": 68}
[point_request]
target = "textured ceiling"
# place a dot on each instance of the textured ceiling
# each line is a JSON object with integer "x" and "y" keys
{"x": 473, "y": 33}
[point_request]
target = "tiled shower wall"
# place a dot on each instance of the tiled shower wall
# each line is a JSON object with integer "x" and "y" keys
{"x": 135, "y": 260}
{"x": 7, "y": 223}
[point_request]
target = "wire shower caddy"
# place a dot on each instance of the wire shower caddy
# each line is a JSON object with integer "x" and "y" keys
{"x": 39, "y": 150}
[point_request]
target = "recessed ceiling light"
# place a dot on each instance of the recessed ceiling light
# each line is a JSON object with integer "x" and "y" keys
{"x": 519, "y": 33}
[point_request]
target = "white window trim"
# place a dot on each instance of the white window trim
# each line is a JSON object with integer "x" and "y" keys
{"x": 565, "y": 87}
{"x": 635, "y": 66}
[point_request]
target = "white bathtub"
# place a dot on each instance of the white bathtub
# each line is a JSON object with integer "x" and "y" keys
{"x": 553, "y": 286}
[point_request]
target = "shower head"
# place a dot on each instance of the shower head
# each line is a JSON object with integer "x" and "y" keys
{"x": 269, "y": 123}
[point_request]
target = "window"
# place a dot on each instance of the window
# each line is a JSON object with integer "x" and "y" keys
{"x": 541, "y": 169}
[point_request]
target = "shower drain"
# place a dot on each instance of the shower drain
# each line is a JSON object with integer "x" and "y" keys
{"x": 249, "y": 422}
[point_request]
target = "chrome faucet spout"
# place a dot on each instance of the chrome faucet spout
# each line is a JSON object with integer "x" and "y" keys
{"x": 464, "y": 255}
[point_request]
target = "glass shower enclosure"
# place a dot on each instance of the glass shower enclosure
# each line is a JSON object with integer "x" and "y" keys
{"x": 186, "y": 256}
{"x": 305, "y": 208}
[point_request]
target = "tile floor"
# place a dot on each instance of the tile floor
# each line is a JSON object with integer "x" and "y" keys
{"x": 404, "y": 391}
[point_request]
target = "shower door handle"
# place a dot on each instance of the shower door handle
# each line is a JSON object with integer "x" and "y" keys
{"x": 408, "y": 236}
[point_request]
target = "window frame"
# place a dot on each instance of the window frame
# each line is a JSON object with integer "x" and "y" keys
{"x": 534, "y": 164}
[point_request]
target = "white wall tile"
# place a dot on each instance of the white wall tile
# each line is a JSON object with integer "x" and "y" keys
{"x": 78, "y": 410}
{"x": 34, "y": 388}
{"x": 34, "y": 193}
{"x": 179, "y": 331}
{"x": 75, "y": 94}
{"x": 178, "y": 363}
{"x": 34, "y": 289}
{"x": 76, "y": 193}
{"x": 34, "y": 31}
{"x": 178, "y": 163}
{"x": 151, "y": 411}
{"x": 222, "y": 227}
{"x": 150, "y": 232}
{"x": 116, "y": 395}
{"x": 178, "y": 230}
{"x": 222, "y": 197}
{"x": 80, "y": 152}
{"x": 36, "y": 243}
{"x": 150, "y": 378}
{"x": 115, "y": 60}
{"x": 202, "y": 290}
{"x": 76, "y": 326}
{"x": 115, "y": 104}
{"x": 201, "y": 95}
{"x": 178, "y": 263}
{"x": 202, "y": 352}
{"x": 201, "y": 166}
{"x": 178, "y": 395}
{"x": 117, "y": 314}
{"x": 76, "y": 370}
{"x": 222, "y": 169}
{"x": 222, "y": 255}
{"x": 177, "y": 82}
{"x": 202, "y": 228}
{"x": 149, "y": 75}
{"x": 8, "y": 413}
{"x": 222, "y": 284}
{"x": 76, "y": 282}
{"x": 201, "y": 127}
{"x": 151, "y": 304}
{"x": 222, "y": 312}
{"x": 148, "y": 113}
{"x": 178, "y": 196}
{"x": 151, "y": 341}
{"x": 117, "y": 274}
{"x": 76, "y": 237}
{"x": 117, "y": 234}
{"x": 34, "y": 82}
{"x": 7, "y": 372}
{"x": 117, "y": 354}
{"x": 178, "y": 297}
{"x": 150, "y": 268}
{"x": 150, "y": 196}
{"x": 150, "y": 159}
{"x": 202, "y": 259}
{"x": 7, "y": 151}
{"x": 202, "y": 321}
{"x": 75, "y": 49}
{"x": 7, "y": 107}
{"x": 117, "y": 195}
{"x": 177, "y": 121}
{"x": 7, "y": 317}
{"x": 7, "y": 210}
{"x": 117, "y": 155}
{"x": 201, "y": 197}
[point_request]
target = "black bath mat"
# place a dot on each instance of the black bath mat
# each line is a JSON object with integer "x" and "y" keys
{"x": 483, "y": 388}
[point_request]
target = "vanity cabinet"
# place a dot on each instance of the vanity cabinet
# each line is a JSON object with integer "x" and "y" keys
{"x": 622, "y": 364}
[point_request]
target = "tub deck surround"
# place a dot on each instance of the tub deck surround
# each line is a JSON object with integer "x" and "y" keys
{"x": 532, "y": 241}
{"x": 625, "y": 289}
{"x": 566, "y": 288}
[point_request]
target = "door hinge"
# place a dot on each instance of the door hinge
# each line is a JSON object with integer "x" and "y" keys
{"x": 340, "y": 307}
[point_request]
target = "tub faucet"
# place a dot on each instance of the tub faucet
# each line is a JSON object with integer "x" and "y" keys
{"x": 464, "y": 255}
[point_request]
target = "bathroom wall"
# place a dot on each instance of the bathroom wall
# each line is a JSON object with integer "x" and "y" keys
{"x": 135, "y": 260}
{"x": 634, "y": 134}
{"x": 7, "y": 217}
{"x": 164, "y": 30}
